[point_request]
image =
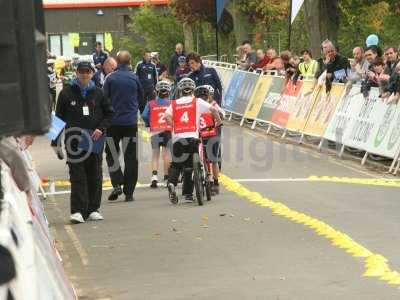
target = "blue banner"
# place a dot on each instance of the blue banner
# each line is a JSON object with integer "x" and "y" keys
{"x": 220, "y": 8}
{"x": 229, "y": 101}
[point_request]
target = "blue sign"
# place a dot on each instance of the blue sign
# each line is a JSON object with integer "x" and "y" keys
{"x": 233, "y": 89}
{"x": 89, "y": 145}
{"x": 57, "y": 125}
{"x": 220, "y": 8}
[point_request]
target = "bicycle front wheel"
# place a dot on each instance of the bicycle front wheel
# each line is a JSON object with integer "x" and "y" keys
{"x": 198, "y": 179}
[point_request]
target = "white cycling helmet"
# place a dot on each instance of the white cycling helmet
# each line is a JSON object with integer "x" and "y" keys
{"x": 186, "y": 85}
{"x": 163, "y": 86}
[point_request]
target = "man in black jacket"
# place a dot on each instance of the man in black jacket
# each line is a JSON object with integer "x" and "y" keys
{"x": 174, "y": 63}
{"x": 202, "y": 75}
{"x": 147, "y": 73}
{"x": 87, "y": 114}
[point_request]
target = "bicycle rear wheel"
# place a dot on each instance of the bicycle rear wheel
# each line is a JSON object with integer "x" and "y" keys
{"x": 208, "y": 189}
{"x": 198, "y": 179}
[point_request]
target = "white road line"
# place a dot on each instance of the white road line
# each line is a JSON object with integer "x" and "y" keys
{"x": 271, "y": 179}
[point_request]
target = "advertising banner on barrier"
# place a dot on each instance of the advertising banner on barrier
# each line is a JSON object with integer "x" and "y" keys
{"x": 225, "y": 75}
{"x": 271, "y": 99}
{"x": 228, "y": 101}
{"x": 386, "y": 140}
{"x": 301, "y": 108}
{"x": 323, "y": 110}
{"x": 281, "y": 114}
{"x": 365, "y": 121}
{"x": 376, "y": 127}
{"x": 344, "y": 116}
{"x": 257, "y": 99}
{"x": 245, "y": 91}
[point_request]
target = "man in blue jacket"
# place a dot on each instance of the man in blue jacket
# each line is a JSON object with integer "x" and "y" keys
{"x": 126, "y": 93}
{"x": 147, "y": 73}
{"x": 202, "y": 75}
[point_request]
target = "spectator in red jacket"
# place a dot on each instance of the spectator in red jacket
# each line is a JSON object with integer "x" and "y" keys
{"x": 262, "y": 60}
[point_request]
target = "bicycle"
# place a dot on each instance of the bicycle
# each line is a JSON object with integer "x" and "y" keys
{"x": 201, "y": 175}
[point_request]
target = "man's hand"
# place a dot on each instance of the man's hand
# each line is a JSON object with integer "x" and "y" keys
{"x": 371, "y": 75}
{"x": 384, "y": 77}
{"x": 96, "y": 134}
{"x": 58, "y": 151}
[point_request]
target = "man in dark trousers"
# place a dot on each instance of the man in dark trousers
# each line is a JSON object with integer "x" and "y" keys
{"x": 202, "y": 75}
{"x": 147, "y": 73}
{"x": 174, "y": 64}
{"x": 87, "y": 114}
{"x": 99, "y": 56}
{"x": 126, "y": 94}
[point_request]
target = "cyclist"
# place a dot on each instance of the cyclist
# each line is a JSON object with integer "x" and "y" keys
{"x": 182, "y": 70}
{"x": 210, "y": 134}
{"x": 153, "y": 116}
{"x": 184, "y": 116}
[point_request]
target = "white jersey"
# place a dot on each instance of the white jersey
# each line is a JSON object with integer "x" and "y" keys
{"x": 201, "y": 107}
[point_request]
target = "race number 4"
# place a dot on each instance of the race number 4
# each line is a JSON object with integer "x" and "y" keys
{"x": 185, "y": 117}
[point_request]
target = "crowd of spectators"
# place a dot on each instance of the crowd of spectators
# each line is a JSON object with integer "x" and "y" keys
{"x": 369, "y": 66}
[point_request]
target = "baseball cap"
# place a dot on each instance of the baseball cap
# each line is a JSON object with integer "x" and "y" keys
{"x": 85, "y": 65}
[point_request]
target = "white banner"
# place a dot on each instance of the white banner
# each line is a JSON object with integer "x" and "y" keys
{"x": 365, "y": 121}
{"x": 343, "y": 119}
{"x": 296, "y": 6}
{"x": 367, "y": 124}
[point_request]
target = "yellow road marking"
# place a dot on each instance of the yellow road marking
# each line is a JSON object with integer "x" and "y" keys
{"x": 376, "y": 265}
{"x": 67, "y": 183}
{"x": 77, "y": 244}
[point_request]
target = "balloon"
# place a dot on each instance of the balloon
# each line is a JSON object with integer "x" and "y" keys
{"x": 372, "y": 40}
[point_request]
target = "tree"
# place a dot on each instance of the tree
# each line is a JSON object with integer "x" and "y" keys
{"x": 322, "y": 21}
{"x": 156, "y": 30}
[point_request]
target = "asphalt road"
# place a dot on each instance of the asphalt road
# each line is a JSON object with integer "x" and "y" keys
{"x": 232, "y": 248}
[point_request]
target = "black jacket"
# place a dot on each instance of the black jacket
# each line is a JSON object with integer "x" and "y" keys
{"x": 70, "y": 109}
{"x": 147, "y": 73}
{"x": 210, "y": 77}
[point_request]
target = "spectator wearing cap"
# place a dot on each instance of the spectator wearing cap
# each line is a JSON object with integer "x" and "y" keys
{"x": 146, "y": 71}
{"x": 174, "y": 64}
{"x": 108, "y": 67}
{"x": 124, "y": 89}
{"x": 182, "y": 70}
{"x": 99, "y": 56}
{"x": 203, "y": 75}
{"x": 87, "y": 113}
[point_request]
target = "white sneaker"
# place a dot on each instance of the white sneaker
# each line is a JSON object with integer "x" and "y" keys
{"x": 154, "y": 181}
{"x": 95, "y": 216}
{"x": 76, "y": 218}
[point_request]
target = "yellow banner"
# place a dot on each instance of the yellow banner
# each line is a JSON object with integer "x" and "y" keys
{"x": 323, "y": 110}
{"x": 258, "y": 97}
{"x": 301, "y": 108}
